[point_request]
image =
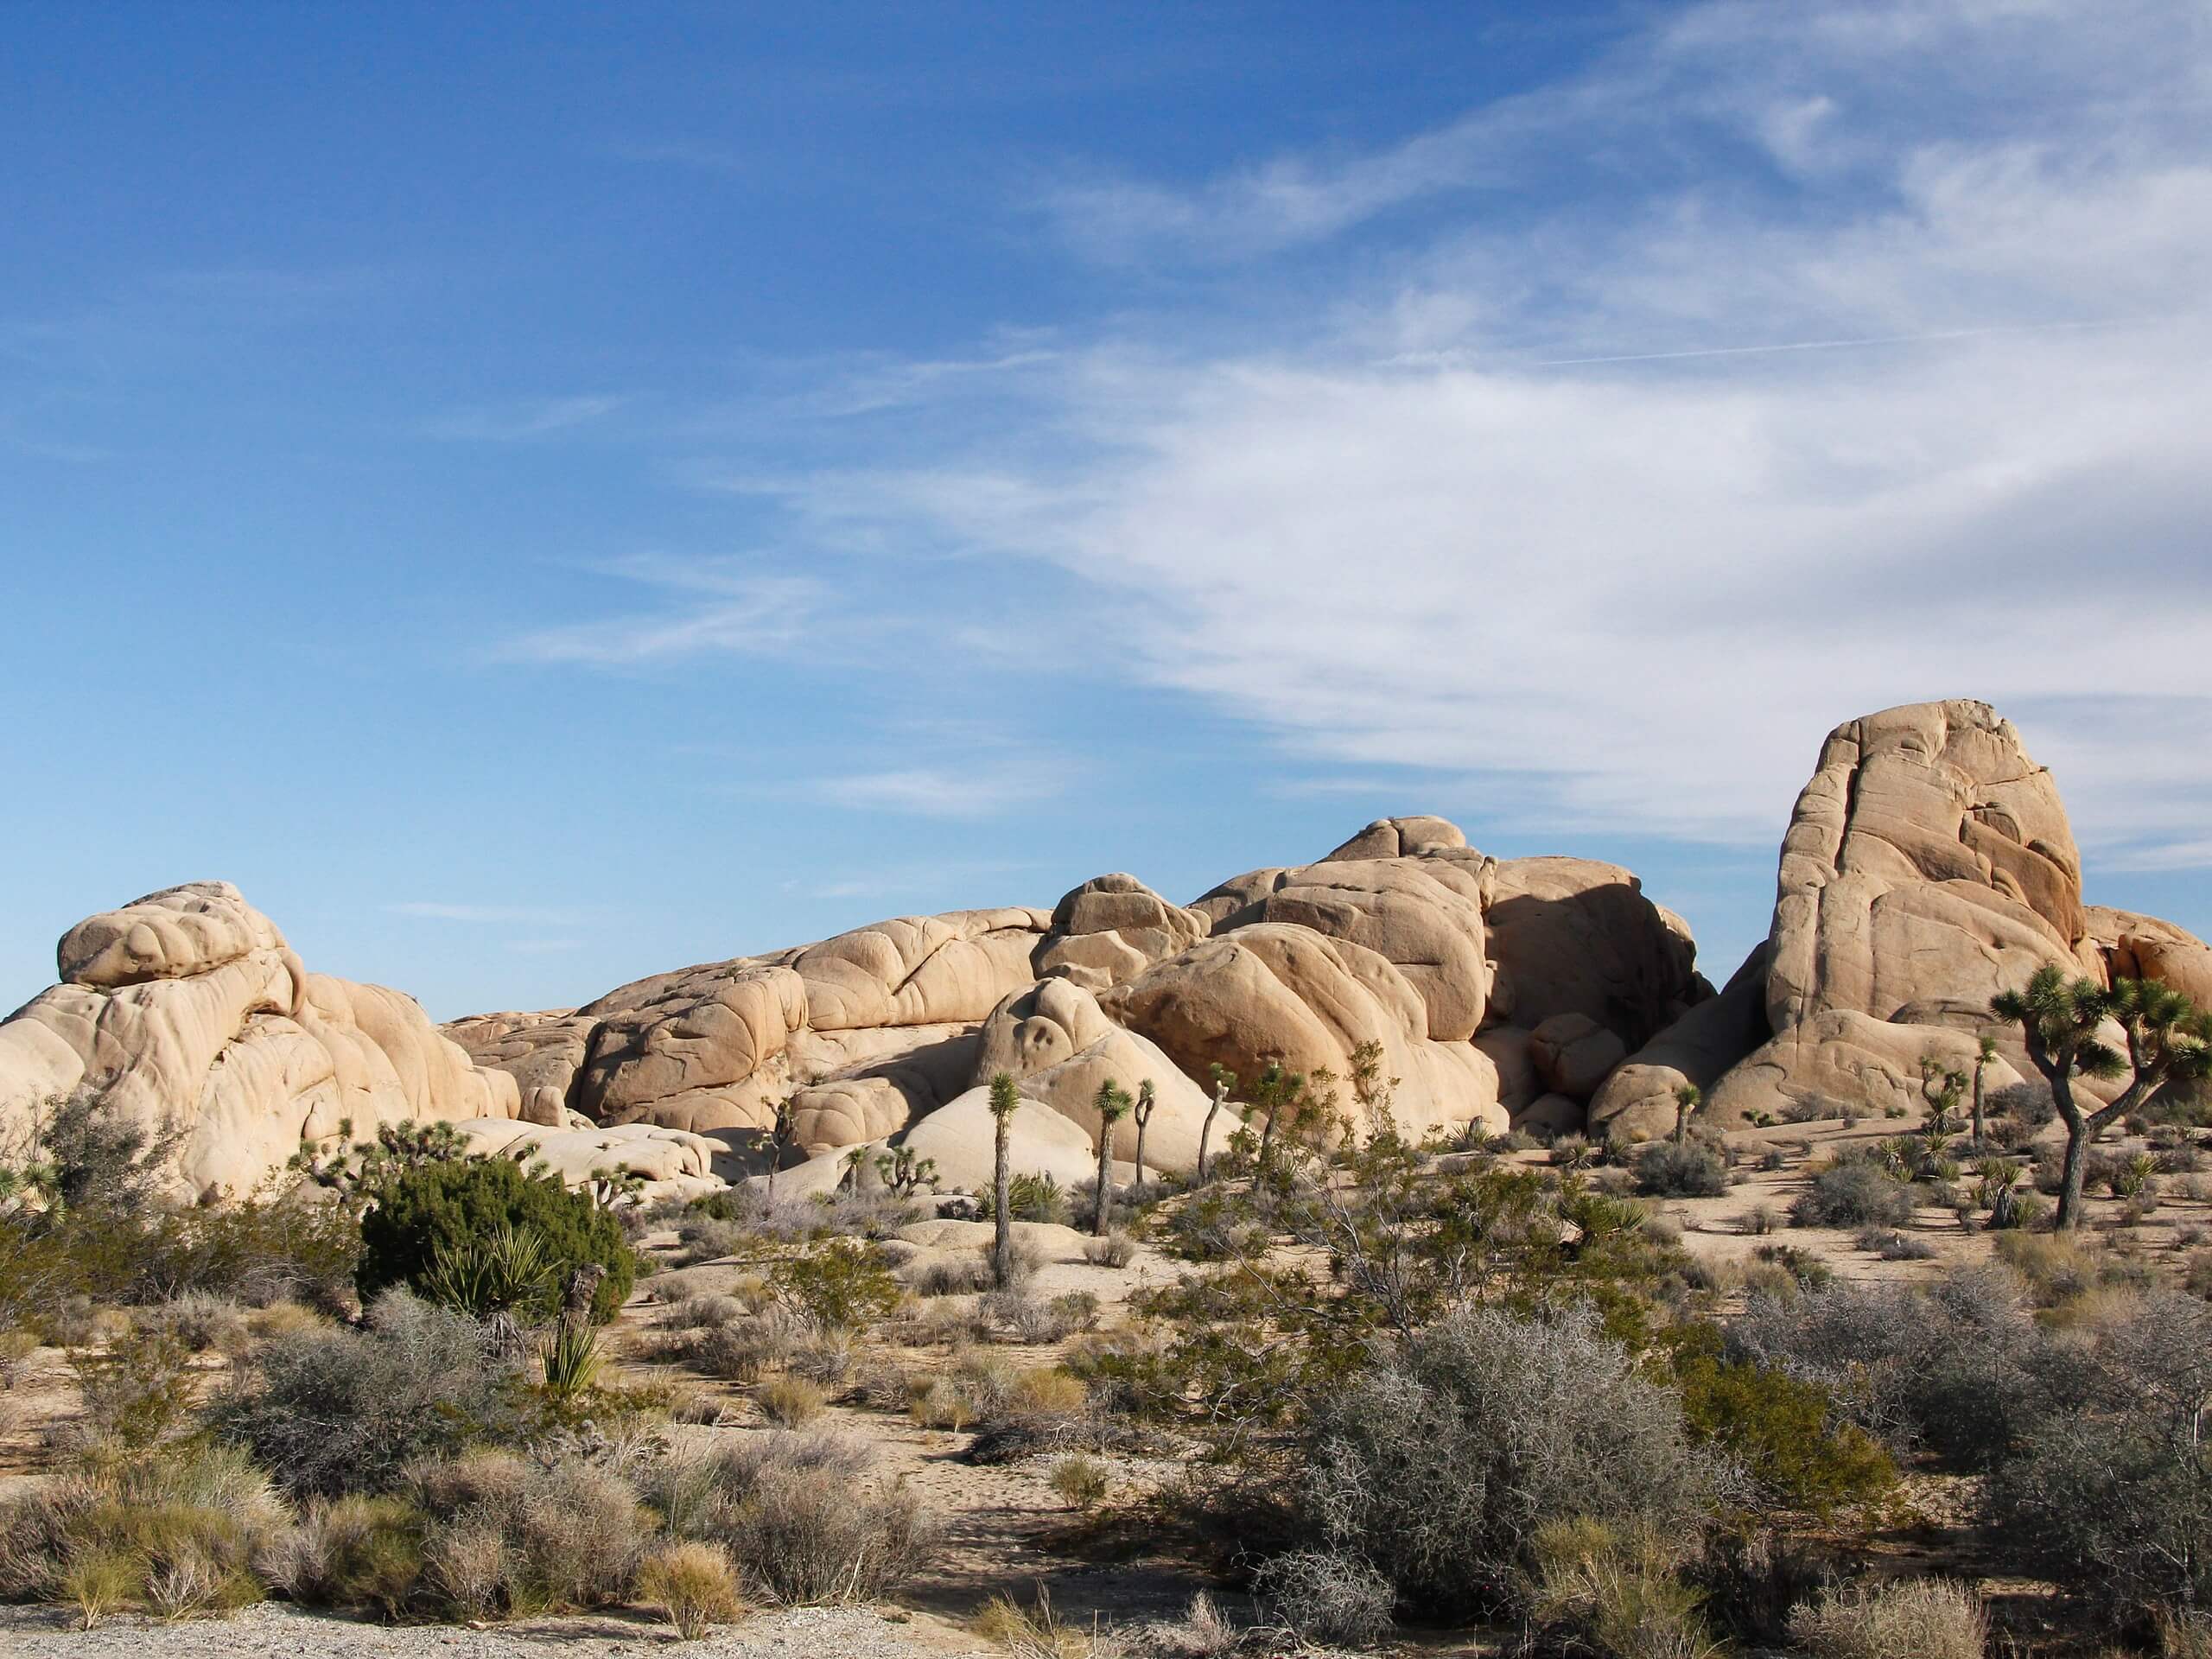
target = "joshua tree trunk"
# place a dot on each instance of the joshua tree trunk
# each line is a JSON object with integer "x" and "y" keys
{"x": 1206, "y": 1129}
{"x": 1002, "y": 1208}
{"x": 1140, "y": 1161}
{"x": 1104, "y": 1208}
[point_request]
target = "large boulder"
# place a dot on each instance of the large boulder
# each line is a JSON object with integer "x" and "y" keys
{"x": 1111, "y": 929}
{"x": 1578, "y": 936}
{"x": 1056, "y": 1041}
{"x": 2142, "y": 947}
{"x": 1926, "y": 866}
{"x": 960, "y": 1137}
{"x": 1421, "y": 914}
{"x": 1638, "y": 1099}
{"x": 186, "y": 1012}
{"x": 1279, "y": 991}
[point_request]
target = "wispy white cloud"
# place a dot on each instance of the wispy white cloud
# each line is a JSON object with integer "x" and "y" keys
{"x": 519, "y": 422}
{"x": 713, "y": 606}
{"x": 939, "y": 792}
{"x": 482, "y": 915}
{"x": 1544, "y": 503}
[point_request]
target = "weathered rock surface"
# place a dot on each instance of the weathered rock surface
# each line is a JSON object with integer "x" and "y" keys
{"x": 2142, "y": 947}
{"x": 1056, "y": 1041}
{"x": 1926, "y": 866}
{"x": 1112, "y": 928}
{"x": 674, "y": 1164}
{"x": 185, "y": 1012}
{"x": 1639, "y": 1098}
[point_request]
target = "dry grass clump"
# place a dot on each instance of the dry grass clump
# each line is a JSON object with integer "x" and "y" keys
{"x": 694, "y": 1584}
{"x": 1116, "y": 1249}
{"x": 176, "y": 1531}
{"x": 1036, "y": 1321}
{"x": 1033, "y": 1632}
{"x": 798, "y": 1513}
{"x": 790, "y": 1402}
{"x": 1918, "y": 1618}
{"x": 203, "y": 1322}
{"x": 948, "y": 1276}
{"x": 1080, "y": 1482}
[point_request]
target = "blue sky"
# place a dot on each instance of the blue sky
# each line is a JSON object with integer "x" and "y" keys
{"x": 542, "y": 495}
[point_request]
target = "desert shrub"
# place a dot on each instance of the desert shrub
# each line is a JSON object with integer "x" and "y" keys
{"x": 1760, "y": 1220}
{"x": 448, "y": 1205}
{"x": 1893, "y": 1246}
{"x": 789, "y": 1401}
{"x": 949, "y": 1275}
{"x": 840, "y": 1286}
{"x": 708, "y": 1238}
{"x": 1686, "y": 1169}
{"x": 1852, "y": 1194}
{"x": 340, "y": 1410}
{"x": 805, "y": 1536}
{"x": 694, "y": 1584}
{"x": 2109, "y": 1493}
{"x": 1211, "y": 1226}
{"x": 176, "y": 1530}
{"x": 1783, "y": 1431}
{"x": 1034, "y": 1197}
{"x": 1079, "y": 1481}
{"x": 1115, "y": 1251}
{"x": 1949, "y": 1367}
{"x": 138, "y": 1390}
{"x": 1036, "y": 1320}
{"x": 1918, "y": 1618}
{"x": 1810, "y": 1109}
{"x": 1439, "y": 1463}
{"x": 507, "y": 1536}
{"x": 354, "y": 1552}
{"x": 706, "y": 1311}
{"x": 2028, "y": 1104}
{"x": 1320, "y": 1596}
{"x": 202, "y": 1320}
{"x": 826, "y": 1359}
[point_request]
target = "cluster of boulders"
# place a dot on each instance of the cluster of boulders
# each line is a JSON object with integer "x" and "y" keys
{"x": 1928, "y": 865}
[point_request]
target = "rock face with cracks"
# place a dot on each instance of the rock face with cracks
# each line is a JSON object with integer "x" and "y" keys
{"x": 186, "y": 1012}
{"x": 1928, "y": 866}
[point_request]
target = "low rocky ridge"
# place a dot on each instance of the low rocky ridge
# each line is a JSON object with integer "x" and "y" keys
{"x": 1928, "y": 865}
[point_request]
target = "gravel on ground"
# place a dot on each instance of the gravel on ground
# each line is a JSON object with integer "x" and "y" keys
{"x": 272, "y": 1631}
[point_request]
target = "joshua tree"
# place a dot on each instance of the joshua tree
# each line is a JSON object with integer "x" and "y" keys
{"x": 2168, "y": 1041}
{"x": 1940, "y": 1088}
{"x": 1687, "y": 1099}
{"x": 1224, "y": 1084}
{"x": 1004, "y": 1098}
{"x": 903, "y": 1173}
{"x": 1147, "y": 1098}
{"x": 1984, "y": 1054}
{"x": 1279, "y": 1093}
{"x": 1112, "y": 1104}
{"x": 781, "y": 1134}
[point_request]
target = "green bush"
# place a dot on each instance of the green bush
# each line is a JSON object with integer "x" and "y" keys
{"x": 842, "y": 1286}
{"x": 449, "y": 1204}
{"x": 1783, "y": 1431}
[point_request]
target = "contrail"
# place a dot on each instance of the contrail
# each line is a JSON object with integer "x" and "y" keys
{"x": 1840, "y": 345}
